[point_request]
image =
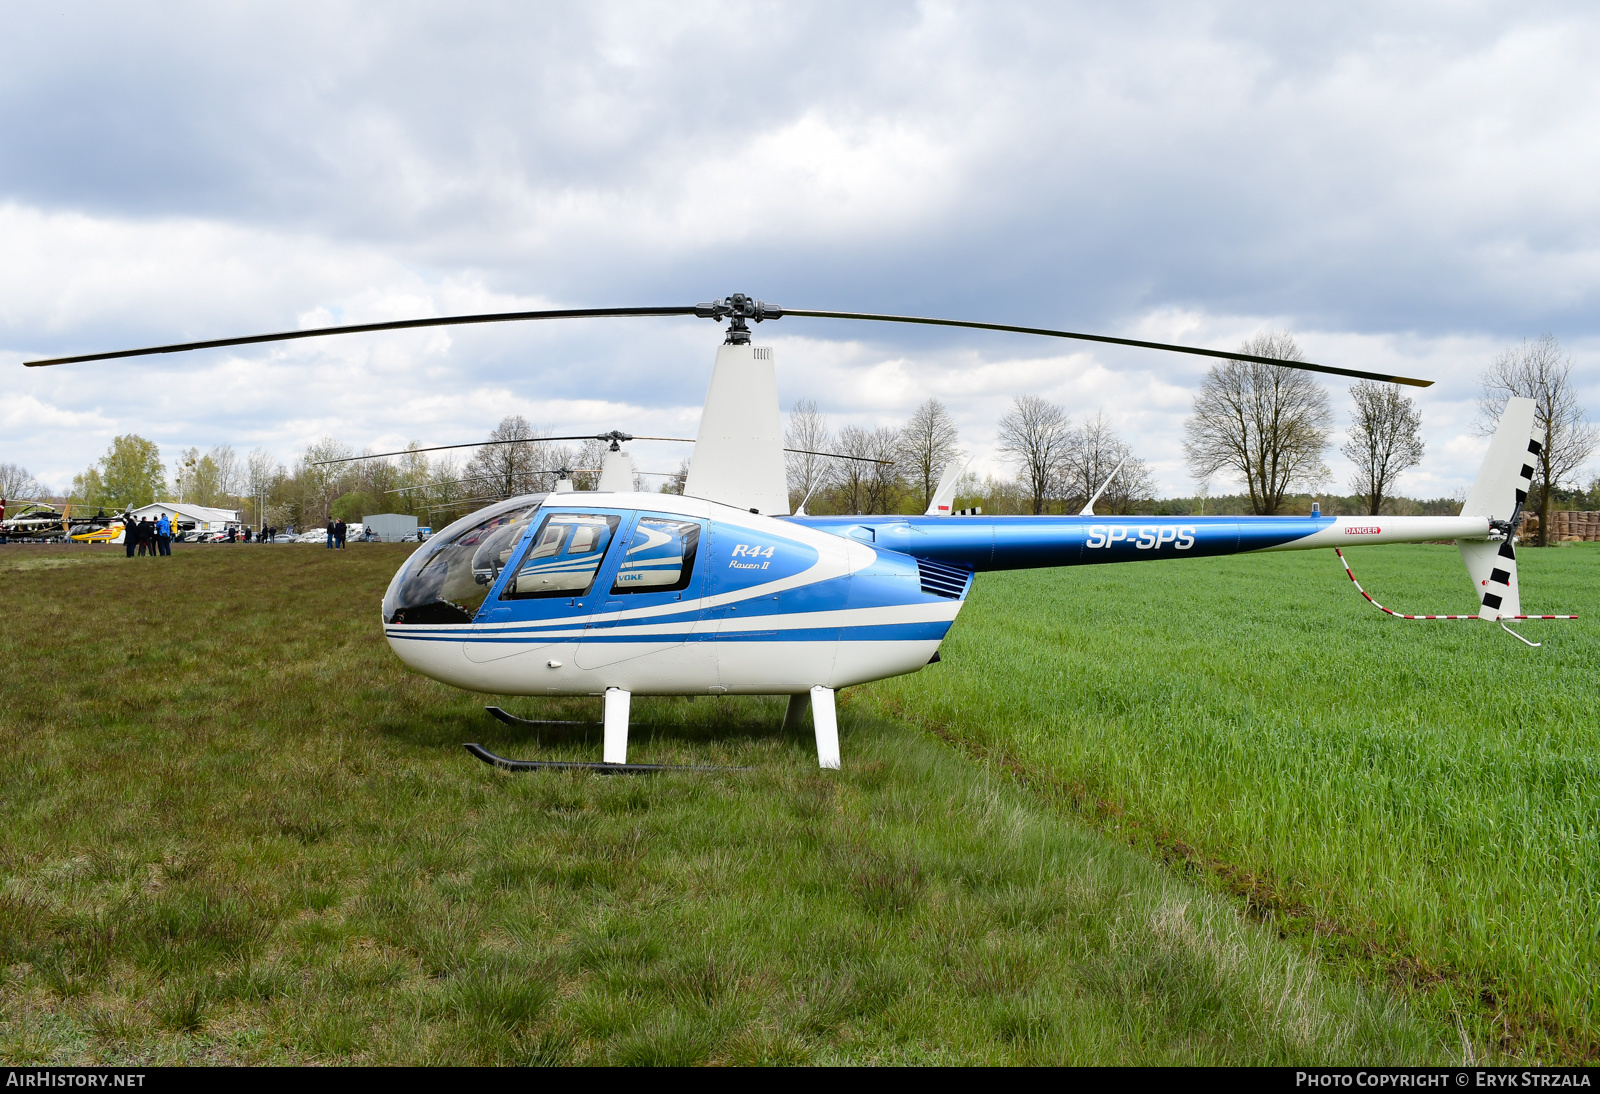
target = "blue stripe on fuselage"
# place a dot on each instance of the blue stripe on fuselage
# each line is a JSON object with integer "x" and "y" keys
{"x": 1022, "y": 542}
{"x": 877, "y": 632}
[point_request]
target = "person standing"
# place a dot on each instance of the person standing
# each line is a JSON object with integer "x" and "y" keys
{"x": 329, "y": 532}
{"x": 339, "y": 529}
{"x": 130, "y": 532}
{"x": 164, "y": 535}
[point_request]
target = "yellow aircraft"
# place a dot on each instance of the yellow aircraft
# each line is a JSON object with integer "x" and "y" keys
{"x": 110, "y": 534}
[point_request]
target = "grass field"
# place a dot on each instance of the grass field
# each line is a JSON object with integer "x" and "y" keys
{"x": 234, "y": 829}
{"x": 1418, "y": 801}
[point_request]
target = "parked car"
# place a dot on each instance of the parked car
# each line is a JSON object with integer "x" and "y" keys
{"x": 316, "y": 535}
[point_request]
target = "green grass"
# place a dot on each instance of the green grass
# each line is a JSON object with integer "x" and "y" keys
{"x": 1417, "y": 801}
{"x": 233, "y": 828}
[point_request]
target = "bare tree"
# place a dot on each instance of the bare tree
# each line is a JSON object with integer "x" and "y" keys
{"x": 1034, "y": 435}
{"x": 509, "y": 469}
{"x": 230, "y": 474}
{"x": 320, "y": 482}
{"x": 674, "y": 484}
{"x": 590, "y": 460}
{"x": 1385, "y": 440}
{"x": 261, "y": 475}
{"x": 1540, "y": 371}
{"x": 927, "y": 443}
{"x": 261, "y": 472}
{"x": 1265, "y": 424}
{"x": 1092, "y": 453}
{"x": 885, "y": 484}
{"x": 854, "y": 477}
{"x": 807, "y": 430}
{"x": 16, "y": 484}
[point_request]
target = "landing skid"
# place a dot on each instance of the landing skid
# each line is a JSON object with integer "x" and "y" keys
{"x": 512, "y": 720}
{"x": 568, "y": 765}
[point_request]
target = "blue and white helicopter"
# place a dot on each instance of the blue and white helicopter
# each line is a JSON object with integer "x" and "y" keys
{"x": 617, "y": 593}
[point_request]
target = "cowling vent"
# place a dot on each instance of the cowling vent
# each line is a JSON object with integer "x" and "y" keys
{"x": 943, "y": 580}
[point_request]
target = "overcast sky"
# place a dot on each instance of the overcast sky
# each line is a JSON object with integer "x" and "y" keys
{"x": 1405, "y": 188}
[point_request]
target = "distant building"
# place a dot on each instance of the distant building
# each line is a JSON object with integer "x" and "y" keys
{"x": 190, "y": 518}
{"x": 391, "y": 527}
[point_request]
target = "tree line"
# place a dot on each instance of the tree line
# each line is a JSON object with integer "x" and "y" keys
{"x": 1268, "y": 427}
{"x": 1265, "y": 428}
{"x": 312, "y": 490}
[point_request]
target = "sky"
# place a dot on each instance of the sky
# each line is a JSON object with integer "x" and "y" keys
{"x": 1405, "y": 188}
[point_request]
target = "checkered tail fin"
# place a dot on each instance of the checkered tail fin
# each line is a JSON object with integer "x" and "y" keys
{"x": 1498, "y": 493}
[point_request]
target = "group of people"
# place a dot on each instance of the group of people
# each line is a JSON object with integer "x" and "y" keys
{"x": 144, "y": 536}
{"x": 148, "y": 537}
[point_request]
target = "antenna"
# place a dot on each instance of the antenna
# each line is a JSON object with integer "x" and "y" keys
{"x": 1088, "y": 510}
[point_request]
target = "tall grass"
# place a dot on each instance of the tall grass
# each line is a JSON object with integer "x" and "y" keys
{"x": 1420, "y": 800}
{"x": 233, "y": 828}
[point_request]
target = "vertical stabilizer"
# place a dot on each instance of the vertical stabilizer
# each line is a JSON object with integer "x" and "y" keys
{"x": 1498, "y": 492}
{"x": 1493, "y": 569}
{"x": 1502, "y": 482}
{"x": 944, "y": 495}
{"x": 738, "y": 453}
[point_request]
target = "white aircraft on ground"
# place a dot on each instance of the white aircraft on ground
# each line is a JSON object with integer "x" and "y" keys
{"x": 617, "y": 593}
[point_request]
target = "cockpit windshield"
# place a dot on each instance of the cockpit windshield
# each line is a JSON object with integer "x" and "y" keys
{"x": 447, "y": 578}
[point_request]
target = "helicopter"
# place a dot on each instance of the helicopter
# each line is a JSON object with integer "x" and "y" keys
{"x": 34, "y": 521}
{"x": 43, "y": 522}
{"x": 722, "y": 590}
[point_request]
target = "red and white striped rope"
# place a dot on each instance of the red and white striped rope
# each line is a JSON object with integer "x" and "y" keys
{"x": 1402, "y": 615}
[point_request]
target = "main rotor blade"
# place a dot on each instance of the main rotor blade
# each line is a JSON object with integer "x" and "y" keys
{"x": 1226, "y": 355}
{"x": 702, "y": 310}
{"x": 839, "y": 456}
{"x": 359, "y": 328}
{"x": 483, "y": 444}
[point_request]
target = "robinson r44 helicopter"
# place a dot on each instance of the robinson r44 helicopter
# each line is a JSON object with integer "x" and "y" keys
{"x": 721, "y": 590}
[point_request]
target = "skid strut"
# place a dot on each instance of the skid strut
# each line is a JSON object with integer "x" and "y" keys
{"x": 616, "y": 745}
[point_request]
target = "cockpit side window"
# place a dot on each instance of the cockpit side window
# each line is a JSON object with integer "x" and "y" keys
{"x": 563, "y": 556}
{"x": 661, "y": 557}
{"x": 548, "y": 542}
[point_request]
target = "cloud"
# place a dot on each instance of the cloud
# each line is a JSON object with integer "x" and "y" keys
{"x": 1406, "y": 189}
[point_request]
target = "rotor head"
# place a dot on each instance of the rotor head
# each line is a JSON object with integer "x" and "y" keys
{"x": 740, "y": 309}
